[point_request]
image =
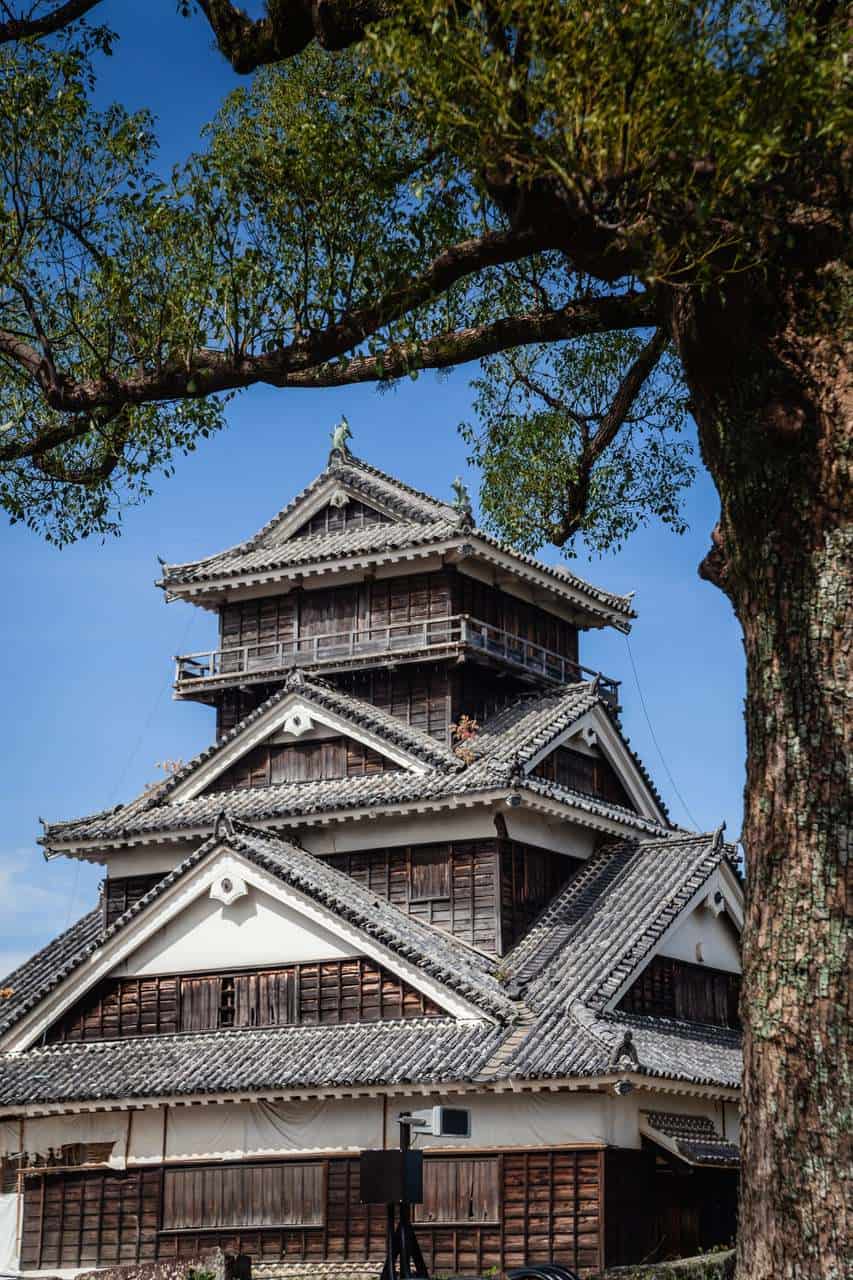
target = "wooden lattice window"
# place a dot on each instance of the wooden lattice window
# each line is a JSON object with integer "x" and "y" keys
{"x": 262, "y": 1195}
{"x": 670, "y": 988}
{"x": 461, "y": 1190}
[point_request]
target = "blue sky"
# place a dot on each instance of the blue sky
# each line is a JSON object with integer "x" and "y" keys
{"x": 87, "y": 640}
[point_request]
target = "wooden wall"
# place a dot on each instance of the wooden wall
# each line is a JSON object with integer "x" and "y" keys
{"x": 486, "y": 892}
{"x": 530, "y": 1206}
{"x": 656, "y": 1208}
{"x": 353, "y": 515}
{"x": 591, "y": 775}
{"x": 500, "y": 609}
{"x": 123, "y": 891}
{"x": 271, "y": 764}
{"x": 675, "y": 989}
{"x": 329, "y": 992}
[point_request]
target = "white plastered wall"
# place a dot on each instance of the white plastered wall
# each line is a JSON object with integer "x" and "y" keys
{"x": 705, "y": 938}
{"x": 254, "y": 930}
{"x": 555, "y": 1119}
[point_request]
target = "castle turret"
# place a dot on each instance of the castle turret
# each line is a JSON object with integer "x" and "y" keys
{"x": 391, "y": 595}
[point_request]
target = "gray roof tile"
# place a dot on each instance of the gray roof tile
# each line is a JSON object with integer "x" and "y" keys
{"x": 419, "y": 521}
{"x": 431, "y": 1050}
{"x": 504, "y": 742}
{"x": 464, "y": 970}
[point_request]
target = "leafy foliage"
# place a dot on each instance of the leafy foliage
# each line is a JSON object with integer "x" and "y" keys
{"x": 466, "y": 182}
{"x": 537, "y": 409}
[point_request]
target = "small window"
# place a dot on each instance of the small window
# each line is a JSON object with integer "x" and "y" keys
{"x": 270, "y": 1195}
{"x": 430, "y": 875}
{"x": 460, "y": 1191}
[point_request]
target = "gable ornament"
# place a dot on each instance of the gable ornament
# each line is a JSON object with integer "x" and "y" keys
{"x": 462, "y": 502}
{"x": 625, "y": 1055}
{"x": 229, "y": 885}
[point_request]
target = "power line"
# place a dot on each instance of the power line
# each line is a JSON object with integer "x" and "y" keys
{"x": 666, "y": 767}
{"x": 155, "y": 705}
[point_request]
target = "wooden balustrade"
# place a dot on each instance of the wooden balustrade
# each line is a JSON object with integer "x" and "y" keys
{"x": 338, "y": 649}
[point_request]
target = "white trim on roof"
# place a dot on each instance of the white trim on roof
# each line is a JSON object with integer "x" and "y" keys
{"x": 193, "y": 883}
{"x": 515, "y": 1085}
{"x": 614, "y": 751}
{"x": 296, "y": 705}
{"x": 721, "y": 879}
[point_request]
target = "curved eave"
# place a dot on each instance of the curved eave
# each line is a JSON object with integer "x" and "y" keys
{"x": 593, "y": 608}
{"x": 586, "y": 812}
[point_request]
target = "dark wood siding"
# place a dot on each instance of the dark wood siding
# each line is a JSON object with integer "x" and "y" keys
{"x": 591, "y": 775}
{"x": 121, "y": 892}
{"x": 527, "y": 621}
{"x": 419, "y": 695}
{"x": 268, "y": 765}
{"x": 656, "y": 1208}
{"x": 486, "y": 892}
{"x": 90, "y": 1219}
{"x": 331, "y": 519}
{"x": 244, "y": 1195}
{"x": 549, "y": 1207}
{"x": 260, "y": 624}
{"x": 327, "y": 992}
{"x": 461, "y": 1191}
{"x": 530, "y": 878}
{"x": 675, "y": 989}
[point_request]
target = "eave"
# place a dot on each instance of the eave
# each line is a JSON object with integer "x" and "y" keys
{"x": 591, "y": 815}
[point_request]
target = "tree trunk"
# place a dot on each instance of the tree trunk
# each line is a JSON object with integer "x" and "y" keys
{"x": 771, "y": 393}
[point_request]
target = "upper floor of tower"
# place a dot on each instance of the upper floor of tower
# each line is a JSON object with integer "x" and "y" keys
{"x": 362, "y": 577}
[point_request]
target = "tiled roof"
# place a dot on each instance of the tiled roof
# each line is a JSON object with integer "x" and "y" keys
{"x": 557, "y": 982}
{"x": 419, "y": 521}
{"x": 503, "y": 743}
{"x": 241, "y": 1061}
{"x": 595, "y": 935}
{"x": 694, "y": 1138}
{"x": 38, "y": 975}
{"x": 358, "y": 711}
{"x": 462, "y": 969}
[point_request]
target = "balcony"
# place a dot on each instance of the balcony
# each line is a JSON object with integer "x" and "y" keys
{"x": 198, "y": 674}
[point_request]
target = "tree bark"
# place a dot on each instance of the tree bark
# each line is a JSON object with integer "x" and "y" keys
{"x": 771, "y": 389}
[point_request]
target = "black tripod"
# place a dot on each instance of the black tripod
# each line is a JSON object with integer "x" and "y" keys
{"x": 402, "y": 1243}
{"x": 403, "y": 1247}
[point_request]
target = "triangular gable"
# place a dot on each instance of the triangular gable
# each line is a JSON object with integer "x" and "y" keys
{"x": 373, "y": 497}
{"x": 342, "y": 512}
{"x": 594, "y": 735}
{"x": 719, "y": 892}
{"x": 323, "y": 903}
{"x": 301, "y": 713}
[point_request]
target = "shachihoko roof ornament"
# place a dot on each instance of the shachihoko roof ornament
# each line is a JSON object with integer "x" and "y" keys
{"x": 340, "y": 434}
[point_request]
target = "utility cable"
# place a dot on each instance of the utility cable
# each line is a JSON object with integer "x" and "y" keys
{"x": 666, "y": 767}
{"x": 155, "y": 706}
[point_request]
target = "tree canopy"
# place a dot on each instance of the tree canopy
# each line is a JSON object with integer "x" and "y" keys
{"x": 458, "y": 183}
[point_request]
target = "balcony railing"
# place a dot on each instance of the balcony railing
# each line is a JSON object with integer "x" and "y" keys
{"x": 197, "y": 671}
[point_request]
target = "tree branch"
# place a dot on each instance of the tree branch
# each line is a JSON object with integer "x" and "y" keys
{"x": 57, "y": 19}
{"x": 290, "y": 28}
{"x": 293, "y": 367}
{"x": 577, "y": 496}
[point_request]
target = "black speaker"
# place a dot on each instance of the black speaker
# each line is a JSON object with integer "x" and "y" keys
{"x": 387, "y": 1176}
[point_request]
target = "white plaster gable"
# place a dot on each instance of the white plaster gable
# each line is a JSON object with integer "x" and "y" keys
{"x": 594, "y": 734}
{"x": 287, "y": 721}
{"x": 254, "y": 930}
{"x": 184, "y": 929}
{"x": 707, "y": 937}
{"x": 716, "y": 906}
